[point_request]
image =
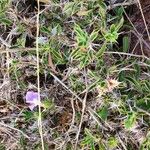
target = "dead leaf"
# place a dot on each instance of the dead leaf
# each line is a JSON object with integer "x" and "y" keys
{"x": 50, "y": 63}
{"x": 83, "y": 12}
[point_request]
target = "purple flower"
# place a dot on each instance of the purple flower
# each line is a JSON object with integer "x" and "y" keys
{"x": 32, "y": 99}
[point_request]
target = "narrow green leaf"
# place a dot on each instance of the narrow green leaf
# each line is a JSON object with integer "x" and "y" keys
{"x": 125, "y": 44}
{"x": 5, "y": 21}
{"x": 93, "y": 35}
{"x": 70, "y": 8}
{"x": 120, "y": 24}
{"x": 101, "y": 50}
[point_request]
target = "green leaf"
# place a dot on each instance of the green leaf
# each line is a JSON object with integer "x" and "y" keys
{"x": 120, "y": 24}
{"x": 112, "y": 28}
{"x": 125, "y": 44}
{"x": 93, "y": 35}
{"x": 103, "y": 113}
{"x": 112, "y": 143}
{"x": 89, "y": 139}
{"x": 102, "y": 50}
{"x": 147, "y": 85}
{"x": 143, "y": 104}
{"x": 28, "y": 115}
{"x": 44, "y": 29}
{"x": 130, "y": 121}
{"x": 121, "y": 76}
{"x": 70, "y": 8}
{"x": 111, "y": 35}
{"x": 3, "y": 5}
{"x": 5, "y": 21}
{"x": 81, "y": 36}
{"x": 48, "y": 104}
{"x": 119, "y": 12}
{"x": 138, "y": 71}
{"x": 102, "y": 10}
{"x": 2, "y": 146}
{"x": 57, "y": 56}
{"x": 134, "y": 82}
{"x": 146, "y": 143}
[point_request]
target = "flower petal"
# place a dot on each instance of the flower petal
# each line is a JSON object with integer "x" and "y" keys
{"x": 32, "y": 106}
{"x": 31, "y": 96}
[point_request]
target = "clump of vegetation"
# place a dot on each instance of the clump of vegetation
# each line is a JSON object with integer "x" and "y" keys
{"x": 74, "y": 83}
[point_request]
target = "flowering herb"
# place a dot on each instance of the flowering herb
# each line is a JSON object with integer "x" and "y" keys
{"x": 32, "y": 99}
{"x": 111, "y": 84}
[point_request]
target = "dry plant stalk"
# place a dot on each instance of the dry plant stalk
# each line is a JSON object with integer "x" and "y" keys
{"x": 44, "y": 1}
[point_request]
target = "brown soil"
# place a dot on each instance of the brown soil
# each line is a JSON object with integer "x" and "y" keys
{"x": 140, "y": 43}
